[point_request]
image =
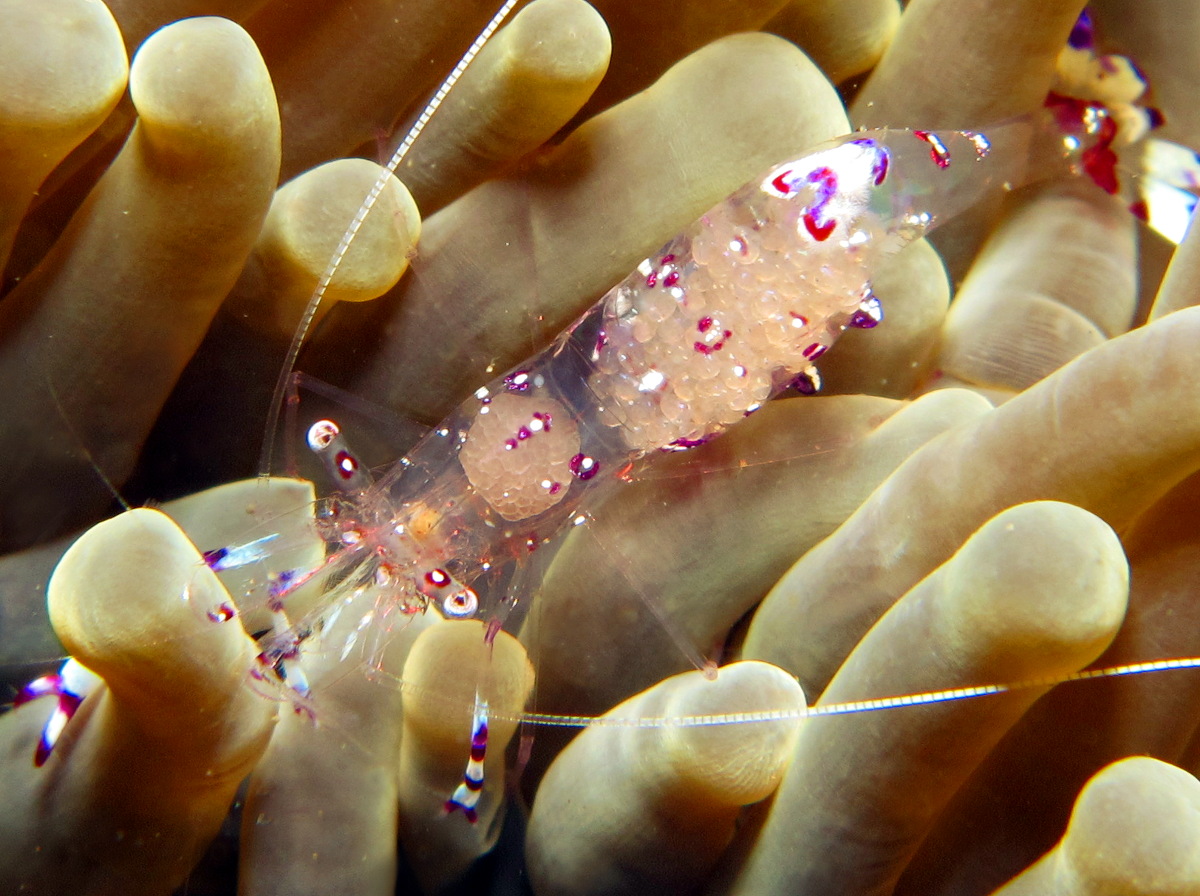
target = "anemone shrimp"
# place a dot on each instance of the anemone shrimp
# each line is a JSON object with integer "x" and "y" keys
{"x": 869, "y": 159}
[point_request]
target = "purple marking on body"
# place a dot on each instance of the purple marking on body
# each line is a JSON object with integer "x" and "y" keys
{"x": 671, "y": 279}
{"x": 214, "y": 557}
{"x": 222, "y": 612}
{"x": 868, "y": 315}
{"x": 583, "y": 467}
{"x": 781, "y": 183}
{"x": 705, "y": 349}
{"x": 879, "y": 168}
{"x": 685, "y": 444}
{"x": 937, "y": 149}
{"x": 818, "y": 226}
{"x": 517, "y": 381}
{"x": 68, "y": 702}
{"x": 819, "y": 231}
{"x": 807, "y": 382}
{"x": 815, "y": 351}
{"x": 1083, "y": 33}
{"x": 278, "y": 584}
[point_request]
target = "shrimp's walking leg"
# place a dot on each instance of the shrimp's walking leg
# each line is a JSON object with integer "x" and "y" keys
{"x": 446, "y": 666}
{"x": 156, "y": 753}
{"x": 345, "y": 763}
{"x": 466, "y": 794}
{"x": 69, "y": 686}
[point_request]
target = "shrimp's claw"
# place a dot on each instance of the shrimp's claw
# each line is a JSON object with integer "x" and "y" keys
{"x": 70, "y": 684}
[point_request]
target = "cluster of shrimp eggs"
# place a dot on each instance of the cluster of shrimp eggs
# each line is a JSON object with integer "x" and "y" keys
{"x": 697, "y": 337}
{"x": 759, "y": 287}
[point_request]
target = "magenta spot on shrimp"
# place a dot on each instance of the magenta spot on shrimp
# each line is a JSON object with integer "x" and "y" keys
{"x": 510, "y": 444}
{"x": 544, "y": 419}
{"x": 880, "y": 170}
{"x": 937, "y": 149}
{"x": 1083, "y": 33}
{"x": 279, "y": 584}
{"x": 222, "y": 612}
{"x": 818, "y": 230}
{"x": 861, "y": 320}
{"x": 555, "y": 488}
{"x": 705, "y": 349}
{"x": 799, "y": 318}
{"x": 345, "y": 464}
{"x": 869, "y": 314}
{"x": 671, "y": 279}
{"x": 438, "y": 578}
{"x": 524, "y": 433}
{"x": 668, "y": 258}
{"x": 517, "y": 381}
{"x": 583, "y": 467}
{"x": 704, "y": 323}
{"x": 214, "y": 557}
{"x": 825, "y": 180}
{"x": 782, "y": 184}
{"x": 815, "y": 351}
{"x": 652, "y": 279}
{"x": 807, "y": 383}
{"x": 683, "y": 444}
{"x": 1100, "y": 163}
{"x": 1140, "y": 210}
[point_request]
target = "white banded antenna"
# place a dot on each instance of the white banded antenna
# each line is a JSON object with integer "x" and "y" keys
{"x": 335, "y": 261}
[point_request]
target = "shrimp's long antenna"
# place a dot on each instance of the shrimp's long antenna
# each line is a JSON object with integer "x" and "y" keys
{"x": 81, "y": 446}
{"x": 335, "y": 261}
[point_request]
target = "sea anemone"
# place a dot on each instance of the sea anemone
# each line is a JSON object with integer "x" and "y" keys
{"x": 995, "y": 493}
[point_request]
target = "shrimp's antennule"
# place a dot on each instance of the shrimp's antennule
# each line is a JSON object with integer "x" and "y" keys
{"x": 377, "y": 188}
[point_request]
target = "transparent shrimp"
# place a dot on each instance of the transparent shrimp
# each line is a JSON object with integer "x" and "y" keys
{"x": 723, "y": 317}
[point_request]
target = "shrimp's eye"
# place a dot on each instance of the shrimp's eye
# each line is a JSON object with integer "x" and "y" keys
{"x": 461, "y": 604}
{"x": 321, "y": 434}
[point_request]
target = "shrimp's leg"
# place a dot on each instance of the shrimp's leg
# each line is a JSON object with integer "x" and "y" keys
{"x": 466, "y": 795}
{"x": 70, "y": 685}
